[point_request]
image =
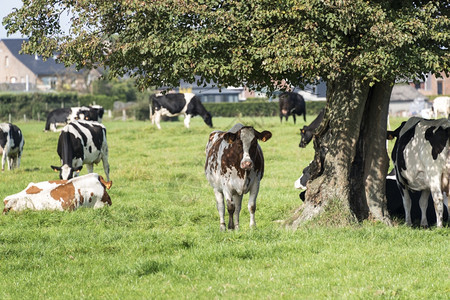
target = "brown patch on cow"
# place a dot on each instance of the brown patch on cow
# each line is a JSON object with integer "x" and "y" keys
{"x": 231, "y": 158}
{"x": 62, "y": 181}
{"x": 106, "y": 199}
{"x": 81, "y": 197}
{"x": 66, "y": 194}
{"x": 33, "y": 190}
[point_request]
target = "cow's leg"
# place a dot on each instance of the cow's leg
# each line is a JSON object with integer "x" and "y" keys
{"x": 252, "y": 203}
{"x": 406, "y": 205}
{"x": 53, "y": 127}
{"x": 281, "y": 118}
{"x": 423, "y": 203}
{"x": 106, "y": 166}
{"x": 187, "y": 120}
{"x": 237, "y": 200}
{"x": 295, "y": 119}
{"x": 3, "y": 161}
{"x": 90, "y": 168}
{"x": 220, "y": 208}
{"x": 438, "y": 200}
{"x": 231, "y": 208}
{"x": 158, "y": 118}
{"x": 19, "y": 156}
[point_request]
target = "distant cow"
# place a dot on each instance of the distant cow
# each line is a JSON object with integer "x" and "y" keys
{"x": 441, "y": 105}
{"x": 62, "y": 116}
{"x": 234, "y": 166}
{"x": 84, "y": 191}
{"x": 308, "y": 130}
{"x": 11, "y": 145}
{"x": 292, "y": 104}
{"x": 176, "y": 104}
{"x": 82, "y": 142}
{"x": 421, "y": 157}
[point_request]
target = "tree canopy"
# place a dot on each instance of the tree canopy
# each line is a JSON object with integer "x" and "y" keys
{"x": 232, "y": 42}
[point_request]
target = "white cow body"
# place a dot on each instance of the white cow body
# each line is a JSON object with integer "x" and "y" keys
{"x": 422, "y": 163}
{"x": 84, "y": 191}
{"x": 441, "y": 105}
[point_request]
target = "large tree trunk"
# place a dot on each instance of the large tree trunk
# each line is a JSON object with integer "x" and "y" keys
{"x": 350, "y": 164}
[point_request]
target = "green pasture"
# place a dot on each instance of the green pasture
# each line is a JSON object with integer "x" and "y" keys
{"x": 160, "y": 239}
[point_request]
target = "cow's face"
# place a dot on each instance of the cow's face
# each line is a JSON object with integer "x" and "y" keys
{"x": 306, "y": 137}
{"x": 248, "y": 137}
{"x": 66, "y": 172}
{"x": 208, "y": 119}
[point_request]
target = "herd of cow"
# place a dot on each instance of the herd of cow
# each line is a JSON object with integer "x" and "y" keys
{"x": 234, "y": 161}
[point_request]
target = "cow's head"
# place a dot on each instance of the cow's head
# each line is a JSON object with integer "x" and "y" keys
{"x": 208, "y": 119}
{"x": 66, "y": 172}
{"x": 249, "y": 137}
{"x": 307, "y": 136}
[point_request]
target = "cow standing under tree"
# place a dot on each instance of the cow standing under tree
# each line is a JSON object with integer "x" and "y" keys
{"x": 292, "y": 104}
{"x": 235, "y": 166}
{"x": 11, "y": 145}
{"x": 307, "y": 131}
{"x": 176, "y": 104}
{"x": 82, "y": 142}
{"x": 421, "y": 157}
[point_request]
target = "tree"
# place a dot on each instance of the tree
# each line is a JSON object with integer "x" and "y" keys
{"x": 359, "y": 47}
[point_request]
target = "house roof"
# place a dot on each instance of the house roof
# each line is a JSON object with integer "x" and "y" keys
{"x": 405, "y": 92}
{"x": 35, "y": 63}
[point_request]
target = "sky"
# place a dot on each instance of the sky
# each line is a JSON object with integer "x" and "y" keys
{"x": 5, "y": 8}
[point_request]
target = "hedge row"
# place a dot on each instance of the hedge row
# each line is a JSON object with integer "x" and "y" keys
{"x": 257, "y": 109}
{"x": 37, "y": 105}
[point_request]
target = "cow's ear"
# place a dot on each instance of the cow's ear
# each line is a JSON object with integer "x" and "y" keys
{"x": 56, "y": 169}
{"x": 264, "y": 136}
{"x": 229, "y": 137}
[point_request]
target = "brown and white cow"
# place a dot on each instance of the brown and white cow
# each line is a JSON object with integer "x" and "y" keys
{"x": 84, "y": 191}
{"x": 234, "y": 166}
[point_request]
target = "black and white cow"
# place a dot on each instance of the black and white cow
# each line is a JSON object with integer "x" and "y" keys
{"x": 82, "y": 142}
{"x": 235, "y": 166}
{"x": 308, "y": 130}
{"x": 62, "y": 116}
{"x": 292, "y": 104}
{"x": 393, "y": 197}
{"x": 176, "y": 104}
{"x": 421, "y": 157}
{"x": 11, "y": 145}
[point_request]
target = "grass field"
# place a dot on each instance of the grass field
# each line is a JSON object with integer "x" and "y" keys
{"x": 160, "y": 238}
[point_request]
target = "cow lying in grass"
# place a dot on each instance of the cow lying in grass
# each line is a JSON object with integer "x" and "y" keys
{"x": 84, "y": 191}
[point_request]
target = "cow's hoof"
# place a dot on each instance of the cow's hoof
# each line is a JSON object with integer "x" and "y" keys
{"x": 222, "y": 227}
